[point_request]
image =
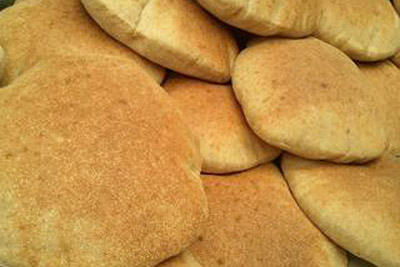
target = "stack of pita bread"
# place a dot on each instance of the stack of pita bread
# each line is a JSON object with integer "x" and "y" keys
{"x": 200, "y": 133}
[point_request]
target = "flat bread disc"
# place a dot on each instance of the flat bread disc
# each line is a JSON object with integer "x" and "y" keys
{"x": 309, "y": 98}
{"x": 366, "y": 31}
{"x": 88, "y": 176}
{"x": 32, "y": 30}
{"x": 227, "y": 143}
{"x": 177, "y": 34}
{"x": 291, "y": 18}
{"x": 254, "y": 221}
{"x": 357, "y": 206}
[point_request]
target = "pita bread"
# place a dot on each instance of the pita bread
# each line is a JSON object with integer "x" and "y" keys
{"x": 318, "y": 109}
{"x": 367, "y": 32}
{"x": 254, "y": 221}
{"x": 226, "y": 142}
{"x": 185, "y": 39}
{"x": 87, "y": 177}
{"x": 292, "y": 18}
{"x": 357, "y": 206}
{"x": 385, "y": 77}
{"x": 185, "y": 259}
{"x": 31, "y": 30}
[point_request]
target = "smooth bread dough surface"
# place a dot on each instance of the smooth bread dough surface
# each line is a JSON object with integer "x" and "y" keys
{"x": 367, "y": 32}
{"x": 254, "y": 221}
{"x": 291, "y": 18}
{"x": 385, "y": 77}
{"x": 227, "y": 144}
{"x": 318, "y": 109}
{"x": 177, "y": 34}
{"x": 357, "y": 206}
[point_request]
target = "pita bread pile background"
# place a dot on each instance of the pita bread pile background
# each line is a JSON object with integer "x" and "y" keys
{"x": 200, "y": 133}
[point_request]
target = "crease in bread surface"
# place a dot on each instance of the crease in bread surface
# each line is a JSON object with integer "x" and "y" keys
{"x": 205, "y": 49}
{"x": 185, "y": 259}
{"x": 357, "y": 206}
{"x": 396, "y": 59}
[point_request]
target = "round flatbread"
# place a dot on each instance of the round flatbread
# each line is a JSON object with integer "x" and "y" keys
{"x": 292, "y": 18}
{"x": 227, "y": 144}
{"x": 87, "y": 175}
{"x": 254, "y": 221}
{"x": 178, "y": 35}
{"x": 31, "y": 30}
{"x": 357, "y": 206}
{"x": 367, "y": 32}
{"x": 385, "y": 77}
{"x": 309, "y": 98}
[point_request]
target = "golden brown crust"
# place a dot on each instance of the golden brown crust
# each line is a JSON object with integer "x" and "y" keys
{"x": 35, "y": 29}
{"x": 385, "y": 77}
{"x": 227, "y": 144}
{"x": 87, "y": 174}
{"x": 368, "y": 32}
{"x": 318, "y": 109}
{"x": 185, "y": 39}
{"x": 357, "y": 206}
{"x": 254, "y": 221}
{"x": 294, "y": 18}
{"x": 88, "y": 177}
